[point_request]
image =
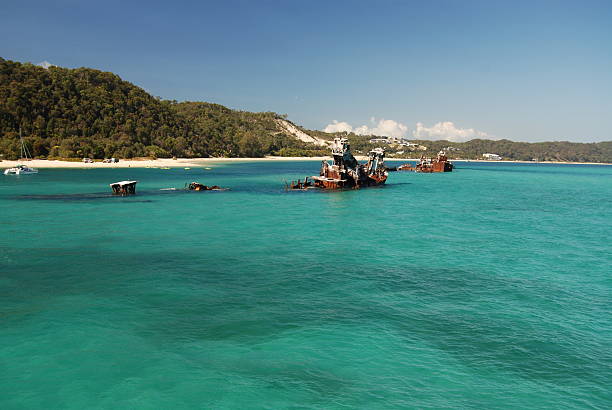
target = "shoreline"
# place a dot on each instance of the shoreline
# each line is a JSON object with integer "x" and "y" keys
{"x": 196, "y": 162}
{"x": 530, "y": 162}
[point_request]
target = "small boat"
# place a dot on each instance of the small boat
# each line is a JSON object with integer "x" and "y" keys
{"x": 20, "y": 170}
{"x": 25, "y": 155}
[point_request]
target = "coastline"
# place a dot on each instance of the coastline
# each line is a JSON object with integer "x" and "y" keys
{"x": 530, "y": 162}
{"x": 196, "y": 162}
{"x": 146, "y": 163}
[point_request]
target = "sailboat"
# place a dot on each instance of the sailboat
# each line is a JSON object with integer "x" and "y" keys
{"x": 25, "y": 155}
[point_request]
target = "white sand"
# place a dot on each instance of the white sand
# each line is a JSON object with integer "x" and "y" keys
{"x": 157, "y": 163}
{"x": 43, "y": 163}
{"x": 301, "y": 135}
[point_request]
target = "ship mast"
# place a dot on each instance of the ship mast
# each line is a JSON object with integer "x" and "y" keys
{"x": 25, "y": 153}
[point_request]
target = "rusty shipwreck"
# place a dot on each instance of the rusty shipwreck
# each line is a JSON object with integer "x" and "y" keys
{"x": 428, "y": 165}
{"x": 345, "y": 172}
{"x": 196, "y": 186}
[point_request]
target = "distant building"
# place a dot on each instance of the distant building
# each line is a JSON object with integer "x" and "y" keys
{"x": 403, "y": 142}
{"x": 493, "y": 157}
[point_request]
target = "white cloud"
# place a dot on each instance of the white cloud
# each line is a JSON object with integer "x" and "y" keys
{"x": 336, "y": 126}
{"x": 383, "y": 127}
{"x": 447, "y": 131}
{"x": 387, "y": 128}
{"x": 45, "y": 64}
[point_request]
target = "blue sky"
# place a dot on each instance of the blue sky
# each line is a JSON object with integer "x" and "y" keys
{"x": 527, "y": 71}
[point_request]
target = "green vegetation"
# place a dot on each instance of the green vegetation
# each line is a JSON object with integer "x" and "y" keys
{"x": 75, "y": 113}
{"x": 219, "y": 131}
{"x": 509, "y": 150}
{"x": 525, "y": 151}
{"x": 89, "y": 113}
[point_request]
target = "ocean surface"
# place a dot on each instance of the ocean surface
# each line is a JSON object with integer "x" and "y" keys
{"x": 487, "y": 287}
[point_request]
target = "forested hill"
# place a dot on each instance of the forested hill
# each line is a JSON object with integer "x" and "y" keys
{"x": 72, "y": 113}
{"x": 75, "y": 113}
{"x": 562, "y": 151}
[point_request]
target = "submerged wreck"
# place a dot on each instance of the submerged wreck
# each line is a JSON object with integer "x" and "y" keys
{"x": 196, "y": 186}
{"x": 345, "y": 172}
{"x": 124, "y": 188}
{"x": 429, "y": 165}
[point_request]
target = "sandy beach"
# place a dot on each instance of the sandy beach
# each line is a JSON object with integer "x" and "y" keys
{"x": 195, "y": 162}
{"x": 146, "y": 163}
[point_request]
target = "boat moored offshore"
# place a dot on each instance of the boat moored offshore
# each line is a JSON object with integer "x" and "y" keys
{"x": 25, "y": 155}
{"x": 20, "y": 170}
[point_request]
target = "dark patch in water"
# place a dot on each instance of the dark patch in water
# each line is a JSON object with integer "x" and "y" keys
{"x": 80, "y": 197}
{"x": 67, "y": 197}
{"x": 104, "y": 195}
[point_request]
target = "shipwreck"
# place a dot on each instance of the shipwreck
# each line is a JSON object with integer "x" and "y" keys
{"x": 429, "y": 165}
{"x": 345, "y": 172}
{"x": 196, "y": 186}
{"x": 124, "y": 188}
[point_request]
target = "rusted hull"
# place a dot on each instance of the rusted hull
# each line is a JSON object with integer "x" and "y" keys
{"x": 428, "y": 167}
{"x": 374, "y": 180}
{"x": 345, "y": 172}
{"x": 436, "y": 167}
{"x": 330, "y": 184}
{"x": 327, "y": 183}
{"x": 405, "y": 167}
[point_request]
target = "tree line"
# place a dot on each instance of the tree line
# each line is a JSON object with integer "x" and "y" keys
{"x": 73, "y": 113}
{"x": 473, "y": 149}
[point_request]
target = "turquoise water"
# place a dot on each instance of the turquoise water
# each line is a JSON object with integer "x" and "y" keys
{"x": 488, "y": 287}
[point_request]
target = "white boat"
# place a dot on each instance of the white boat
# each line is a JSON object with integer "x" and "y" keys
{"x": 25, "y": 155}
{"x": 20, "y": 170}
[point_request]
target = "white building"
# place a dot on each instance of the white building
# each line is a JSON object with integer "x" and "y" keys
{"x": 493, "y": 157}
{"x": 402, "y": 142}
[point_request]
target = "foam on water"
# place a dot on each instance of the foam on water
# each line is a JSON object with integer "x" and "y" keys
{"x": 486, "y": 287}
